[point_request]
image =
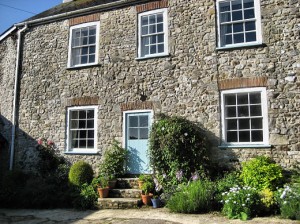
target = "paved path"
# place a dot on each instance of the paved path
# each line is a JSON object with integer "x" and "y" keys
{"x": 130, "y": 216}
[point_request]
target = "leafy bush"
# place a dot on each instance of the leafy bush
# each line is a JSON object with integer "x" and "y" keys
{"x": 113, "y": 161}
{"x": 262, "y": 173}
{"x": 224, "y": 184}
{"x": 289, "y": 201}
{"x": 240, "y": 202}
{"x": 100, "y": 181}
{"x": 87, "y": 197}
{"x": 80, "y": 173}
{"x": 177, "y": 147}
{"x": 268, "y": 202}
{"x": 193, "y": 198}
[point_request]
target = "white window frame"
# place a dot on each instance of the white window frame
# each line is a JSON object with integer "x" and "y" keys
{"x": 70, "y": 62}
{"x": 258, "y": 29}
{"x": 264, "y": 107}
{"x": 82, "y": 150}
{"x": 165, "y": 30}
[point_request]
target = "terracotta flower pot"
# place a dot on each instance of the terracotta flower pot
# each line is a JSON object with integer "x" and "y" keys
{"x": 146, "y": 199}
{"x": 103, "y": 192}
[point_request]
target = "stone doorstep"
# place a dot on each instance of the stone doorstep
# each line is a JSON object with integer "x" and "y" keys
{"x": 118, "y": 203}
{"x": 127, "y": 183}
{"x": 125, "y": 193}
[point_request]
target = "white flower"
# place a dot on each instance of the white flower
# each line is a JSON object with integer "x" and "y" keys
{"x": 163, "y": 128}
{"x": 247, "y": 199}
{"x": 284, "y": 202}
{"x": 234, "y": 202}
{"x": 243, "y": 205}
{"x": 226, "y": 201}
{"x": 185, "y": 134}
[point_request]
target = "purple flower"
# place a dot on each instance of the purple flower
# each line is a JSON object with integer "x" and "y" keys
{"x": 195, "y": 176}
{"x": 158, "y": 187}
{"x": 179, "y": 175}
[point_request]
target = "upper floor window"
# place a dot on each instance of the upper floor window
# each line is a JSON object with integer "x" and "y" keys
{"x": 153, "y": 33}
{"x": 82, "y": 129}
{"x": 83, "y": 46}
{"x": 244, "y": 116}
{"x": 239, "y": 23}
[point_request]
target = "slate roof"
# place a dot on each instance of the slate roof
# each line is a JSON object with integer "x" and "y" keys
{"x": 70, "y": 6}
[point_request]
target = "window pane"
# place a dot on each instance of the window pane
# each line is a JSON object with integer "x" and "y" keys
{"x": 250, "y": 26}
{"x": 152, "y": 29}
{"x": 133, "y": 133}
{"x": 227, "y": 28}
{"x": 225, "y": 17}
{"x": 160, "y": 27}
{"x": 74, "y": 114}
{"x": 143, "y": 133}
{"x": 82, "y": 134}
{"x": 92, "y": 50}
{"x": 74, "y": 124}
{"x": 74, "y": 143}
{"x": 230, "y": 100}
{"x": 257, "y": 136}
{"x": 159, "y": 18}
{"x": 228, "y": 39}
{"x": 231, "y": 124}
{"x": 145, "y": 50}
{"x": 153, "y": 49}
{"x": 144, "y": 30}
{"x": 84, "y": 59}
{"x": 250, "y": 36}
{"x": 82, "y": 124}
{"x": 243, "y": 111}
{"x": 160, "y": 48}
{"x": 92, "y": 40}
{"x": 255, "y": 110}
{"x": 238, "y": 27}
{"x": 92, "y": 58}
{"x": 238, "y": 38}
{"x": 84, "y": 50}
{"x": 224, "y": 6}
{"x": 248, "y": 3}
{"x": 237, "y": 15}
{"x": 76, "y": 42}
{"x": 92, "y": 31}
{"x": 244, "y": 124}
{"x": 90, "y": 124}
{"x": 249, "y": 14}
{"x": 244, "y": 136}
{"x": 230, "y": 112}
{"x": 236, "y": 5}
{"x": 82, "y": 143}
{"x": 232, "y": 136}
{"x": 256, "y": 123}
{"x": 84, "y": 32}
{"x": 133, "y": 121}
{"x": 90, "y": 134}
{"x": 144, "y": 20}
{"x": 143, "y": 121}
{"x": 153, "y": 39}
{"x": 82, "y": 114}
{"x": 84, "y": 41}
{"x": 76, "y": 33}
{"x": 242, "y": 98}
{"x": 90, "y": 144}
{"x": 75, "y": 134}
{"x": 160, "y": 38}
{"x": 152, "y": 19}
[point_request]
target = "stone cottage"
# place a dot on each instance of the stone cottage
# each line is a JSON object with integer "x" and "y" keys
{"x": 88, "y": 71}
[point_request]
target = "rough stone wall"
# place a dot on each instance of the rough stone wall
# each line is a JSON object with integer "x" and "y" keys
{"x": 184, "y": 83}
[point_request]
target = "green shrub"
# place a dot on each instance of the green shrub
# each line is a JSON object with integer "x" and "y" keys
{"x": 240, "y": 202}
{"x": 224, "y": 184}
{"x": 177, "y": 149}
{"x": 80, "y": 173}
{"x": 112, "y": 164}
{"x": 261, "y": 173}
{"x": 193, "y": 198}
{"x": 289, "y": 201}
{"x": 87, "y": 197}
{"x": 268, "y": 202}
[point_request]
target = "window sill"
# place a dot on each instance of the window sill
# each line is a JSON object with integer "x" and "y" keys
{"x": 244, "y": 146}
{"x": 82, "y": 153}
{"x": 152, "y": 56}
{"x": 83, "y": 66}
{"x": 241, "y": 46}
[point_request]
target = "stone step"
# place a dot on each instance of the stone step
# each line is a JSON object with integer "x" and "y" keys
{"x": 127, "y": 183}
{"x": 125, "y": 193}
{"x": 118, "y": 203}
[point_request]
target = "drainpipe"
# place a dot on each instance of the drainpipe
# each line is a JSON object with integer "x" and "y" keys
{"x": 14, "y": 113}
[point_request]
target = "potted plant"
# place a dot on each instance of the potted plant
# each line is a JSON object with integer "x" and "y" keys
{"x": 147, "y": 188}
{"x": 101, "y": 183}
{"x": 142, "y": 179}
{"x": 156, "y": 202}
{"x": 112, "y": 164}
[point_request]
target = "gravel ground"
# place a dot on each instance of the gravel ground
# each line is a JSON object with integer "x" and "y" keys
{"x": 130, "y": 216}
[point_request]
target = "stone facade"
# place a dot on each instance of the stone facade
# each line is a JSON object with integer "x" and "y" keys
{"x": 185, "y": 83}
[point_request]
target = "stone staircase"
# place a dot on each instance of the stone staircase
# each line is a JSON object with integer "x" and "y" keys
{"x": 125, "y": 195}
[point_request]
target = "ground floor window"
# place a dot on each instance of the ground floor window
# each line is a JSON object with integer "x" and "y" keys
{"x": 244, "y": 116}
{"x": 82, "y": 129}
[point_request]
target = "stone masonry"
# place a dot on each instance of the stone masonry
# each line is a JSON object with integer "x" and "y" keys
{"x": 185, "y": 83}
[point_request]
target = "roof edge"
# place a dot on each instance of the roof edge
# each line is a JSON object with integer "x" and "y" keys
{"x": 7, "y": 32}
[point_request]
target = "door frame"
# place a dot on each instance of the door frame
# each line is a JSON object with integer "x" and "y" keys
{"x": 151, "y": 114}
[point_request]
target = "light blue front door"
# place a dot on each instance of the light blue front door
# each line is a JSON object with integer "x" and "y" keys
{"x": 137, "y": 127}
